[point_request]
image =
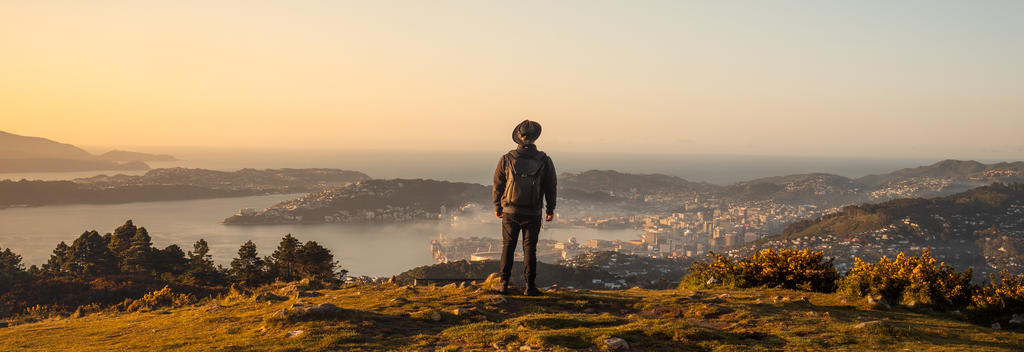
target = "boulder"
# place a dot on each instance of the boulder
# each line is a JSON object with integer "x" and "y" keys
{"x": 1017, "y": 319}
{"x": 616, "y": 343}
{"x": 878, "y": 303}
{"x": 267, "y": 297}
{"x": 870, "y": 324}
{"x": 496, "y": 299}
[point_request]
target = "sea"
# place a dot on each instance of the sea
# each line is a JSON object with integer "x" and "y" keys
{"x": 375, "y": 250}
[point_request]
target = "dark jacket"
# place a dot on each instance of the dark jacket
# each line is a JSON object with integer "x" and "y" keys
{"x": 548, "y": 183}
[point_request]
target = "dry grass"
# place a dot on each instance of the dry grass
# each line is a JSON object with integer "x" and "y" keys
{"x": 371, "y": 318}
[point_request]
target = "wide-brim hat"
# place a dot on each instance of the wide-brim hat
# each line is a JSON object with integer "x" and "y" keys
{"x": 526, "y": 132}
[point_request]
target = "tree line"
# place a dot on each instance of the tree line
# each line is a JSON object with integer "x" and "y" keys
{"x": 124, "y": 264}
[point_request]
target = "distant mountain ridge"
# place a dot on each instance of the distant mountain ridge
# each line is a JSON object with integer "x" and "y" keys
{"x": 36, "y": 154}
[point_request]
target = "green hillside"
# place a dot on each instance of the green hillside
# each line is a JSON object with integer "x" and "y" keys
{"x": 429, "y": 318}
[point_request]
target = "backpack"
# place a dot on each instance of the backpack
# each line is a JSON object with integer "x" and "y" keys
{"x": 522, "y": 180}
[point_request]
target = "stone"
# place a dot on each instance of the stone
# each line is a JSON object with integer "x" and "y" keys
{"x": 870, "y": 324}
{"x": 1017, "y": 319}
{"x": 267, "y": 297}
{"x": 996, "y": 326}
{"x": 295, "y": 333}
{"x": 958, "y": 314}
{"x": 878, "y": 303}
{"x": 616, "y": 343}
{"x": 435, "y": 316}
{"x": 496, "y": 299}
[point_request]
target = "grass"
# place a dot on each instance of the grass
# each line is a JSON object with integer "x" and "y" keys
{"x": 372, "y": 317}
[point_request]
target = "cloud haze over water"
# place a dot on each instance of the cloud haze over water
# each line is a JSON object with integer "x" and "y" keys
{"x": 805, "y": 78}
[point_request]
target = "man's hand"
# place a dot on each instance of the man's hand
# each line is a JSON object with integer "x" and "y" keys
{"x": 497, "y": 214}
{"x": 549, "y": 217}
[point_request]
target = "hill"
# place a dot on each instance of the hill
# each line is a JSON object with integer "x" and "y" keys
{"x": 171, "y": 184}
{"x": 372, "y": 201}
{"x": 378, "y": 317}
{"x": 981, "y": 228}
{"x": 614, "y": 182}
{"x": 121, "y": 155}
{"x": 818, "y": 189}
{"x": 36, "y": 154}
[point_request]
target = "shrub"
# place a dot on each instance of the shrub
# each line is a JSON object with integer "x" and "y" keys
{"x": 159, "y": 298}
{"x": 786, "y": 268}
{"x": 1002, "y": 296}
{"x": 910, "y": 279}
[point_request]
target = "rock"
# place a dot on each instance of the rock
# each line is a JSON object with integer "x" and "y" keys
{"x": 616, "y": 343}
{"x": 295, "y": 333}
{"x": 713, "y": 280}
{"x": 878, "y": 303}
{"x": 399, "y": 301}
{"x": 267, "y": 297}
{"x": 435, "y": 316}
{"x": 496, "y": 299}
{"x": 996, "y": 326}
{"x": 870, "y": 324}
{"x": 1017, "y": 319}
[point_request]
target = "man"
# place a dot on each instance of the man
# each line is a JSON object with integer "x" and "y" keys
{"x": 523, "y": 182}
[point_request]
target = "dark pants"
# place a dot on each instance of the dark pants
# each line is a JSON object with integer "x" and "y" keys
{"x": 511, "y": 225}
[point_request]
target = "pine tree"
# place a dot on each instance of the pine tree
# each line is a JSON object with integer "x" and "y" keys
{"x": 170, "y": 260}
{"x": 89, "y": 257}
{"x": 11, "y": 269}
{"x": 138, "y": 257}
{"x": 121, "y": 239}
{"x": 199, "y": 269}
{"x": 316, "y": 262}
{"x": 55, "y": 266}
{"x": 248, "y": 268}
{"x": 284, "y": 262}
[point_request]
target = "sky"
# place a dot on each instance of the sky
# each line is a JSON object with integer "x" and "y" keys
{"x": 804, "y": 78}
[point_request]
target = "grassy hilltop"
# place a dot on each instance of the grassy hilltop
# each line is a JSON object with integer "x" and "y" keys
{"x": 428, "y": 318}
